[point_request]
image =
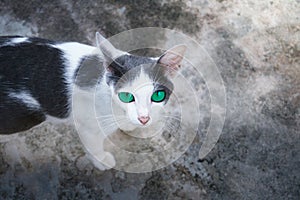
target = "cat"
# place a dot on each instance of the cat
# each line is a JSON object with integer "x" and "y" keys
{"x": 40, "y": 81}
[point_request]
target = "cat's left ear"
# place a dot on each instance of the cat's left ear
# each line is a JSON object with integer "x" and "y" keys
{"x": 172, "y": 58}
{"x": 108, "y": 50}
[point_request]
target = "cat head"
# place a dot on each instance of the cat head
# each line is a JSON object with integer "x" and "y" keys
{"x": 141, "y": 86}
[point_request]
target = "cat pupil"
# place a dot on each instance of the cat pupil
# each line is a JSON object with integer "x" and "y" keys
{"x": 126, "y": 97}
{"x": 158, "y": 96}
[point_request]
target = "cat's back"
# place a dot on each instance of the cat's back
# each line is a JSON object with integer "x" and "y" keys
{"x": 24, "y": 58}
{"x": 35, "y": 79}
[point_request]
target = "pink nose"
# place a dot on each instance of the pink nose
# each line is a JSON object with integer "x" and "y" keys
{"x": 144, "y": 119}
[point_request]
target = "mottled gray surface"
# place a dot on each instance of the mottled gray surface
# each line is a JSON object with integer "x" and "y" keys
{"x": 256, "y": 47}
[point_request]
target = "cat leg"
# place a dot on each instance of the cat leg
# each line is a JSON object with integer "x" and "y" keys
{"x": 89, "y": 132}
{"x": 93, "y": 143}
{"x": 103, "y": 161}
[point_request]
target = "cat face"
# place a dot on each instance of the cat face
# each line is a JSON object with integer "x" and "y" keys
{"x": 141, "y": 86}
{"x": 142, "y": 92}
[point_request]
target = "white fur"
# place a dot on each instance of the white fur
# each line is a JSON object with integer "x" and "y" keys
{"x": 74, "y": 52}
{"x": 15, "y": 41}
{"x": 97, "y": 114}
{"x": 83, "y": 105}
{"x": 26, "y": 98}
{"x": 87, "y": 126}
{"x": 19, "y": 40}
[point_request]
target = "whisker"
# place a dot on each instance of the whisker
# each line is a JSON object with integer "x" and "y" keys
{"x": 107, "y": 126}
{"x": 112, "y": 116}
{"x": 103, "y": 116}
{"x": 172, "y": 117}
{"x": 110, "y": 120}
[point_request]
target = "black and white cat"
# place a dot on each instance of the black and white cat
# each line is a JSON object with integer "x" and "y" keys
{"x": 38, "y": 83}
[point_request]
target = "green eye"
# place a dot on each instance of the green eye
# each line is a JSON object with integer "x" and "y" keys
{"x": 126, "y": 97}
{"x": 158, "y": 96}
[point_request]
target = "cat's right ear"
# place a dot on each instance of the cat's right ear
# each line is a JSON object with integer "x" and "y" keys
{"x": 109, "y": 52}
{"x": 172, "y": 58}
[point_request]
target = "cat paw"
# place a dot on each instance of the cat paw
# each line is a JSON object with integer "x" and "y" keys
{"x": 104, "y": 161}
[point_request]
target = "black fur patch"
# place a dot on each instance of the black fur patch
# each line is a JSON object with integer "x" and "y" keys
{"x": 16, "y": 116}
{"x": 37, "y": 67}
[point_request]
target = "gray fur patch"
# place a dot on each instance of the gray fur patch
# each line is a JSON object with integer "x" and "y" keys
{"x": 125, "y": 69}
{"x": 128, "y": 65}
{"x": 90, "y": 72}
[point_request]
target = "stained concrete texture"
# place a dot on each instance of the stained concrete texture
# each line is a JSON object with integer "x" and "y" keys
{"x": 256, "y": 47}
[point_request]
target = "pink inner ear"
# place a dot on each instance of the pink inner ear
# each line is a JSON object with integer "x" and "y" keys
{"x": 173, "y": 57}
{"x": 171, "y": 60}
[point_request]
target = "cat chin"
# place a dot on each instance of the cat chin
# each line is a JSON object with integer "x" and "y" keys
{"x": 135, "y": 126}
{"x": 143, "y": 131}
